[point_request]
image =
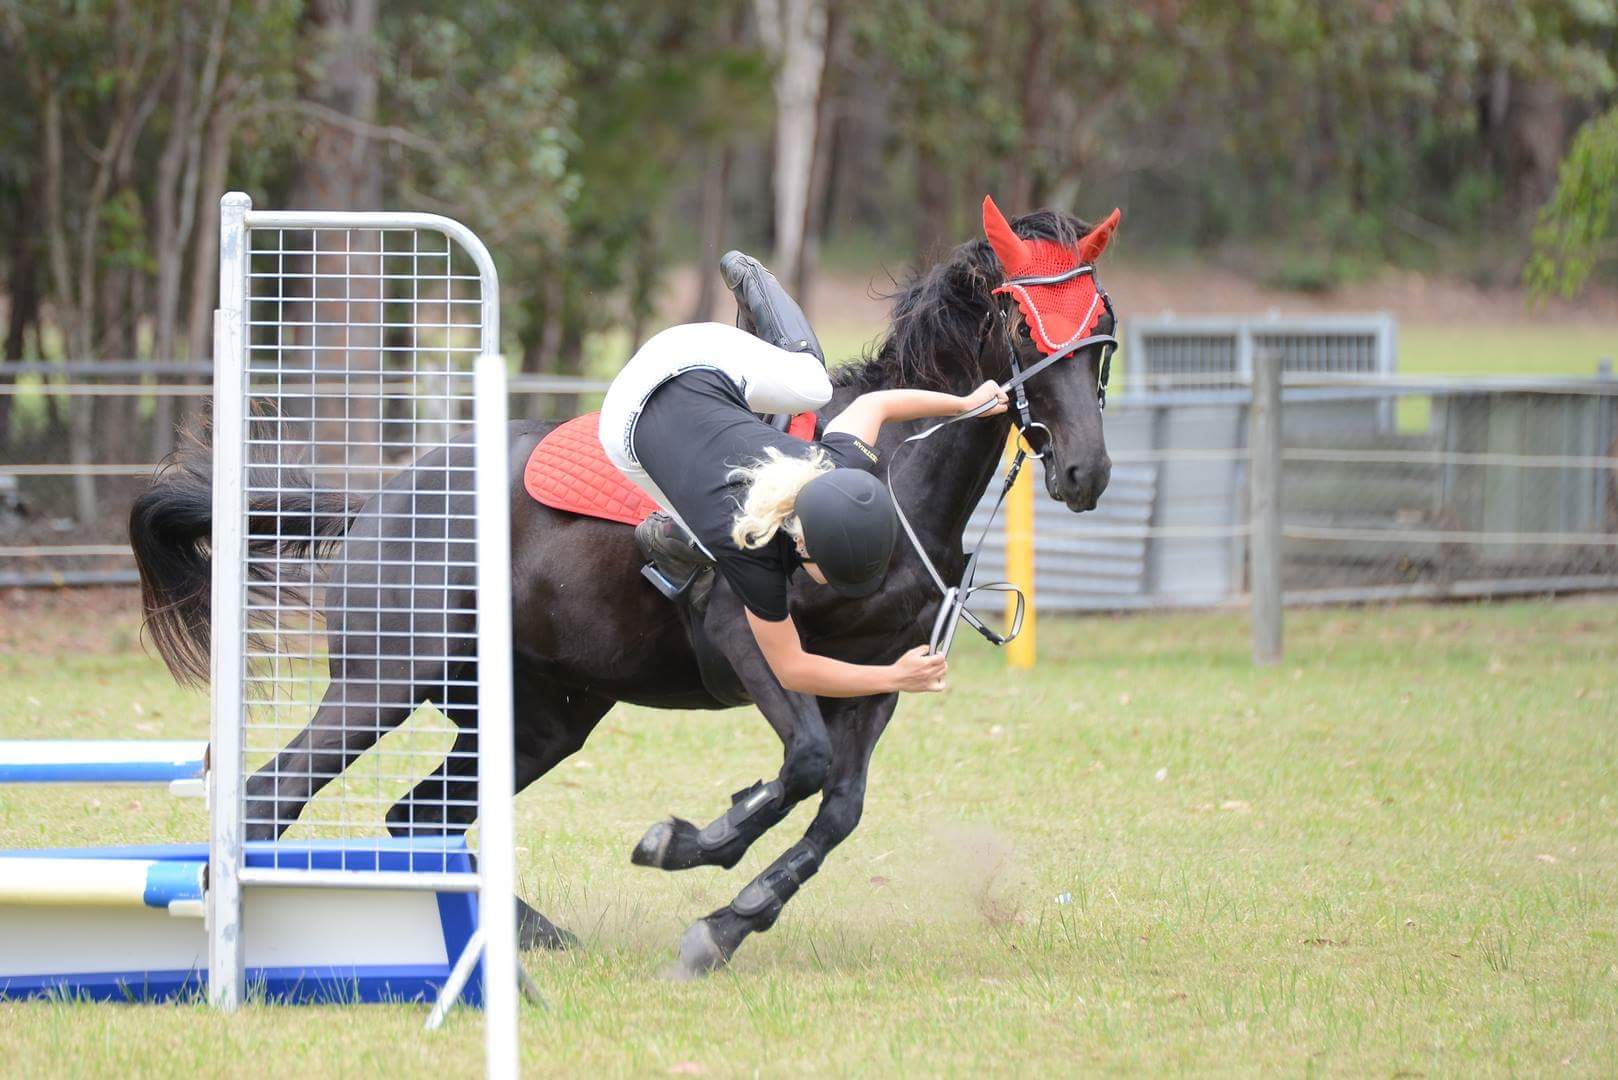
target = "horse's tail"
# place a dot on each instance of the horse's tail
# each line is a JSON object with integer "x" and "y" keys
{"x": 170, "y": 528}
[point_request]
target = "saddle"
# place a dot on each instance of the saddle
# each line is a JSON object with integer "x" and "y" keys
{"x": 569, "y": 471}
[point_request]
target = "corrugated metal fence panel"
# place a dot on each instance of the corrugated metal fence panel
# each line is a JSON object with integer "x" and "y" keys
{"x": 1201, "y": 496}
{"x": 1079, "y": 565}
{"x": 1187, "y": 360}
{"x": 1169, "y": 352}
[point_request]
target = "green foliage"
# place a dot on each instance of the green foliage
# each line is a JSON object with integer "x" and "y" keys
{"x": 1577, "y": 229}
{"x": 1357, "y": 132}
{"x": 562, "y": 139}
{"x": 1312, "y": 270}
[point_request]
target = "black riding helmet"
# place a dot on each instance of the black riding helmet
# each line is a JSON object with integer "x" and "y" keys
{"x": 849, "y": 529}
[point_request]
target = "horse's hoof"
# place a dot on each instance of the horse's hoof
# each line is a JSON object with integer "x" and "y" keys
{"x": 699, "y": 954}
{"x": 668, "y": 845}
{"x": 654, "y": 845}
{"x": 535, "y": 931}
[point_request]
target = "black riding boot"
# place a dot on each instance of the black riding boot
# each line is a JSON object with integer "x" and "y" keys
{"x": 667, "y": 546}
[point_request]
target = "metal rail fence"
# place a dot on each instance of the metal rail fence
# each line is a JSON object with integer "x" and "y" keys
{"x": 1391, "y": 487}
{"x": 1469, "y": 487}
{"x": 64, "y": 503}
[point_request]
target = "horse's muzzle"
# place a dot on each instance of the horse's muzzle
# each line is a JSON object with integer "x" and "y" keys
{"x": 1079, "y": 487}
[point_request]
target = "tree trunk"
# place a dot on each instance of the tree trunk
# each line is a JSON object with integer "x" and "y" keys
{"x": 642, "y": 286}
{"x": 1541, "y": 123}
{"x": 341, "y": 170}
{"x": 794, "y": 32}
{"x": 205, "y": 246}
{"x": 569, "y": 360}
{"x": 711, "y": 212}
{"x": 22, "y": 292}
{"x": 73, "y": 317}
{"x": 1031, "y": 107}
{"x": 932, "y": 200}
{"x": 168, "y": 246}
{"x": 814, "y": 220}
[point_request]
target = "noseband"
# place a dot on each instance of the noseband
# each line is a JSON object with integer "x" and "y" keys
{"x": 953, "y": 610}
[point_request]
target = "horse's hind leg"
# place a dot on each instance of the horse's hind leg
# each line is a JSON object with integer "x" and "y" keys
{"x": 340, "y": 731}
{"x": 551, "y": 723}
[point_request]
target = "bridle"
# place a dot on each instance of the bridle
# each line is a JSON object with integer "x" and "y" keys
{"x": 1020, "y": 375}
{"x": 953, "y": 610}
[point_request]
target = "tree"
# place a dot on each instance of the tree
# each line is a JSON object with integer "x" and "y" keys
{"x": 796, "y": 35}
{"x": 1578, "y": 228}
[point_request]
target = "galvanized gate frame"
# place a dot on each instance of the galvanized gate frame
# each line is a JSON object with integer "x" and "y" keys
{"x": 494, "y": 878}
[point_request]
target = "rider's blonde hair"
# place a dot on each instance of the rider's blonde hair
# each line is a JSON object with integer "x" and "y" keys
{"x": 772, "y": 495}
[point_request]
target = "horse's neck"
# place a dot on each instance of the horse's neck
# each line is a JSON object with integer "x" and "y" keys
{"x": 941, "y": 479}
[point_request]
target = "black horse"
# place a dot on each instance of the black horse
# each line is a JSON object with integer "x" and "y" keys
{"x": 588, "y": 631}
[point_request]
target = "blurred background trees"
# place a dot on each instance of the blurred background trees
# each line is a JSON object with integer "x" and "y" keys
{"x": 595, "y": 144}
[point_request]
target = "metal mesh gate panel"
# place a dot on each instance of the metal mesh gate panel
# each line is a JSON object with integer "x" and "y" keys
{"x": 361, "y": 563}
{"x": 362, "y": 628}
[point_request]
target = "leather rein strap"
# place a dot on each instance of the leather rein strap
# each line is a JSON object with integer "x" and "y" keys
{"x": 953, "y": 610}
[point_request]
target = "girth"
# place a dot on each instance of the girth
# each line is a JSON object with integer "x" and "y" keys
{"x": 683, "y": 574}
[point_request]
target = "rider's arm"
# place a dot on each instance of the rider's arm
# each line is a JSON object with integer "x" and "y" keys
{"x": 806, "y": 673}
{"x": 867, "y": 413}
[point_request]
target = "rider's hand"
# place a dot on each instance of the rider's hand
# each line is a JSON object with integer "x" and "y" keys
{"x": 919, "y": 671}
{"x": 989, "y": 391}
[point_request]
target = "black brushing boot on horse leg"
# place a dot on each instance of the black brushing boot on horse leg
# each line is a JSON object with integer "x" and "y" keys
{"x": 677, "y": 844}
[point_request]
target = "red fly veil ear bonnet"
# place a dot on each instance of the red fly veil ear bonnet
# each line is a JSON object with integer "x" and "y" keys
{"x": 1053, "y": 284}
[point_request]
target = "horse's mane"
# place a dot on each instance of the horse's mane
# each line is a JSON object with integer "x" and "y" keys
{"x": 938, "y": 313}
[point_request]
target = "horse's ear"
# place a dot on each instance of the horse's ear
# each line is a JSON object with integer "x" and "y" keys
{"x": 1097, "y": 239}
{"x": 1008, "y": 246}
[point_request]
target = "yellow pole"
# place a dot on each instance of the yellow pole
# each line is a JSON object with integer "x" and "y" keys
{"x": 1020, "y": 558}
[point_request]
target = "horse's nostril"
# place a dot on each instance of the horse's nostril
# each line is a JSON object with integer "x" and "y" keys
{"x": 1088, "y": 482}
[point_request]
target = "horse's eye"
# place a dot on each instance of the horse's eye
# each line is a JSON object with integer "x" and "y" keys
{"x": 1024, "y": 331}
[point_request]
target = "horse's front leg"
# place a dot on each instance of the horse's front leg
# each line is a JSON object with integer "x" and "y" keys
{"x": 677, "y": 844}
{"x": 855, "y": 725}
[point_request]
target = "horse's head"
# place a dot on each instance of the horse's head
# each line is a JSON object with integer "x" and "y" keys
{"x": 1049, "y": 304}
{"x": 1001, "y": 308}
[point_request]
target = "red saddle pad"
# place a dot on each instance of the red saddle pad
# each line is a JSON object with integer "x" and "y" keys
{"x": 569, "y": 471}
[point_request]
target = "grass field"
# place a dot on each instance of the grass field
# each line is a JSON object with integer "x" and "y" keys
{"x": 1395, "y": 855}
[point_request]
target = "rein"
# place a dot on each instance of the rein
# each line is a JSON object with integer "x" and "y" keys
{"x": 953, "y": 610}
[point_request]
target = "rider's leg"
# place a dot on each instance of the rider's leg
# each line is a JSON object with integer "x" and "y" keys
{"x": 765, "y": 308}
{"x": 775, "y": 380}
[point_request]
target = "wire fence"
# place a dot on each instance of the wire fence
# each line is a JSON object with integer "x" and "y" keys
{"x": 1390, "y": 486}
{"x": 80, "y": 440}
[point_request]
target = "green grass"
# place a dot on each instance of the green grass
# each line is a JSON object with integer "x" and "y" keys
{"x": 1505, "y": 350}
{"x": 1397, "y": 854}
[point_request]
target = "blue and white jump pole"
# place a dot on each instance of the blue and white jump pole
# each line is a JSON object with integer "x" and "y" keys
{"x": 102, "y": 761}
